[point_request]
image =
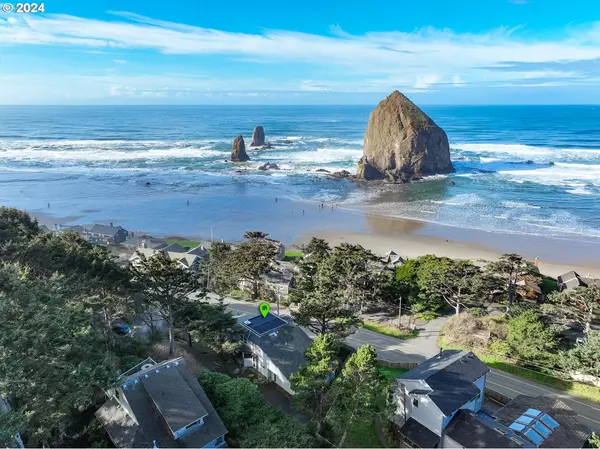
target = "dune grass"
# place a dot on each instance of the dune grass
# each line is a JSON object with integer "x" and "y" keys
{"x": 390, "y": 331}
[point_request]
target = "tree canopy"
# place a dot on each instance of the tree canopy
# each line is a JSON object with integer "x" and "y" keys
{"x": 264, "y": 426}
{"x": 167, "y": 288}
{"x": 314, "y": 379}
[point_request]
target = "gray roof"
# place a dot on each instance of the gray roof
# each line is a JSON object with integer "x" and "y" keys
{"x": 450, "y": 375}
{"x": 74, "y": 228}
{"x": 169, "y": 391}
{"x": 199, "y": 250}
{"x": 475, "y": 430}
{"x": 419, "y": 434}
{"x": 570, "y": 432}
{"x": 567, "y": 276}
{"x": 286, "y": 350}
{"x": 175, "y": 248}
{"x": 150, "y": 242}
{"x": 105, "y": 230}
{"x": 168, "y": 399}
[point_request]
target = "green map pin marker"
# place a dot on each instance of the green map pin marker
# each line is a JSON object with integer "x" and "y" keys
{"x": 264, "y": 308}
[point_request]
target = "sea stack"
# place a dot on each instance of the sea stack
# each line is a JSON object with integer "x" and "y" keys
{"x": 402, "y": 143}
{"x": 238, "y": 150}
{"x": 258, "y": 137}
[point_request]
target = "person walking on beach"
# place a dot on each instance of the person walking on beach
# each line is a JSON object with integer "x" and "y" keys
{"x": 188, "y": 202}
{"x": 275, "y": 199}
{"x": 537, "y": 262}
{"x": 48, "y": 205}
{"x": 302, "y": 211}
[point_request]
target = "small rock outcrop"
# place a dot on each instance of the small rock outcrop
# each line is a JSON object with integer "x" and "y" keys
{"x": 269, "y": 166}
{"x": 238, "y": 150}
{"x": 402, "y": 143}
{"x": 258, "y": 137}
{"x": 342, "y": 174}
{"x": 321, "y": 170}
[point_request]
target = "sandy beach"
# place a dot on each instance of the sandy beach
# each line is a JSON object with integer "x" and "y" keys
{"x": 410, "y": 238}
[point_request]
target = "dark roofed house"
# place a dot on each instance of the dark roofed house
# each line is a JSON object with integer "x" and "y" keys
{"x": 432, "y": 393}
{"x": 161, "y": 405}
{"x": 107, "y": 234}
{"x": 437, "y": 408}
{"x": 572, "y": 280}
{"x": 277, "y": 347}
{"x": 568, "y": 281}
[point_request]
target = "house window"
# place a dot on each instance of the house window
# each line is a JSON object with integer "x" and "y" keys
{"x": 415, "y": 402}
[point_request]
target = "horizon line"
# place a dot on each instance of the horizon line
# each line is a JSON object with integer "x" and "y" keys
{"x": 290, "y": 104}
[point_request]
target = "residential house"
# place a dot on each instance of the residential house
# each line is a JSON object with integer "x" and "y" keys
{"x": 183, "y": 255}
{"x": 78, "y": 229}
{"x": 439, "y": 405}
{"x": 107, "y": 234}
{"x": 391, "y": 259}
{"x": 161, "y": 405}
{"x": 429, "y": 395}
{"x": 572, "y": 279}
{"x": 275, "y": 347}
{"x": 145, "y": 242}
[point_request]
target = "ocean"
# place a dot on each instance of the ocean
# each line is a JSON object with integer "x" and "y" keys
{"x": 519, "y": 169}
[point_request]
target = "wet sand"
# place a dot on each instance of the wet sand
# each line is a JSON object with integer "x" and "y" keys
{"x": 295, "y": 222}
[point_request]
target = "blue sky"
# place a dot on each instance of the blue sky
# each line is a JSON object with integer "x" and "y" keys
{"x": 310, "y": 52}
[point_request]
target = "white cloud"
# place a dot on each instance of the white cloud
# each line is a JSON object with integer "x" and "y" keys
{"x": 422, "y": 60}
{"x": 457, "y": 80}
{"x": 424, "y": 82}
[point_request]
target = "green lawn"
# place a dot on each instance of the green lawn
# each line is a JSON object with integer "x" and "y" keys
{"x": 362, "y": 434}
{"x": 390, "y": 331}
{"x": 391, "y": 373}
{"x": 292, "y": 255}
{"x": 503, "y": 364}
{"x": 189, "y": 243}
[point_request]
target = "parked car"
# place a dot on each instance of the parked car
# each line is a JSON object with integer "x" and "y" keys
{"x": 121, "y": 329}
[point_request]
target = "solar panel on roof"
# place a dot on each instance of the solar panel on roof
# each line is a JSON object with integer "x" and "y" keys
{"x": 533, "y": 412}
{"x": 262, "y": 325}
{"x": 549, "y": 421}
{"x": 542, "y": 429}
{"x": 534, "y": 437}
{"x": 516, "y": 426}
{"x": 524, "y": 419}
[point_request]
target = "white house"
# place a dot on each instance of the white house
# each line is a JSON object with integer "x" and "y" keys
{"x": 428, "y": 396}
{"x": 438, "y": 405}
{"x": 275, "y": 347}
{"x": 161, "y": 405}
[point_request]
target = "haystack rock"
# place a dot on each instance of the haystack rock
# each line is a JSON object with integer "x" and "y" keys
{"x": 402, "y": 143}
{"x": 258, "y": 137}
{"x": 238, "y": 150}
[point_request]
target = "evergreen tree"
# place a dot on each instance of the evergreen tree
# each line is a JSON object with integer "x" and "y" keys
{"x": 314, "y": 379}
{"x": 359, "y": 393}
{"x": 167, "y": 288}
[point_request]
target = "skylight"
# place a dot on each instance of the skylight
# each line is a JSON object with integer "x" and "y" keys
{"x": 534, "y": 425}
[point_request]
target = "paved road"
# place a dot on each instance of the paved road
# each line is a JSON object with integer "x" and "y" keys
{"x": 425, "y": 346}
